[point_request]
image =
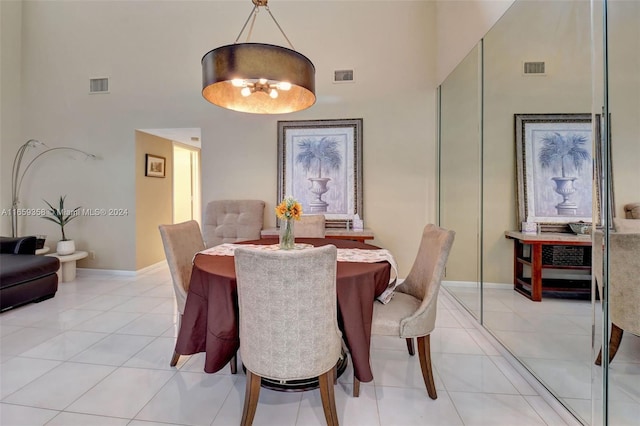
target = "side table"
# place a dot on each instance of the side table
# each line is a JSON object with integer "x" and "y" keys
{"x": 337, "y": 233}
{"x": 67, "y": 271}
{"x": 533, "y": 286}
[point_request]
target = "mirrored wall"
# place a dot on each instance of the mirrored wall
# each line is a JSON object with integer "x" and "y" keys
{"x": 479, "y": 184}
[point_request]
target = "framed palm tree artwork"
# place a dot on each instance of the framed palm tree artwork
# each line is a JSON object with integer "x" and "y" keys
{"x": 320, "y": 165}
{"x": 554, "y": 169}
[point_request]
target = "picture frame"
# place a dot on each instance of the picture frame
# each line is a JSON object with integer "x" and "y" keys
{"x": 155, "y": 166}
{"x": 320, "y": 165}
{"x": 600, "y": 170}
{"x": 554, "y": 169}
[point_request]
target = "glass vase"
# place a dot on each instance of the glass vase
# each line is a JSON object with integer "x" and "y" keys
{"x": 287, "y": 240}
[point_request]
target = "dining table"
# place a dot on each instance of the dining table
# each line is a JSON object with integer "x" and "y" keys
{"x": 210, "y": 320}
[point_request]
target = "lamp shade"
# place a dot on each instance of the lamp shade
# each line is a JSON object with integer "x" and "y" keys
{"x": 265, "y": 69}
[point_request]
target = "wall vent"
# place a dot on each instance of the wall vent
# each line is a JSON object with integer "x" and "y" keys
{"x": 343, "y": 76}
{"x": 534, "y": 68}
{"x": 99, "y": 85}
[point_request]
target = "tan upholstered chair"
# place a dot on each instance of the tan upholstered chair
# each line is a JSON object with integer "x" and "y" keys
{"x": 624, "y": 280}
{"x": 412, "y": 310}
{"x": 230, "y": 221}
{"x": 309, "y": 226}
{"x": 288, "y": 320}
{"x": 181, "y": 242}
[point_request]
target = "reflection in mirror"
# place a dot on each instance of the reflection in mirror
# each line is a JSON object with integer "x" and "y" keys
{"x": 623, "y": 95}
{"x": 552, "y": 338}
{"x": 460, "y": 177}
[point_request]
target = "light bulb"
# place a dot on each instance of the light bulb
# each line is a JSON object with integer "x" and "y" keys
{"x": 245, "y": 91}
{"x": 238, "y": 82}
{"x": 262, "y": 80}
{"x": 284, "y": 85}
{"x": 273, "y": 93}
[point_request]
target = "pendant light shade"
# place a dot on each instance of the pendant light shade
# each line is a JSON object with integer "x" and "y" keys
{"x": 258, "y": 78}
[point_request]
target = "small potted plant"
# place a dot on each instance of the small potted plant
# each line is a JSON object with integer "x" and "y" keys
{"x": 61, "y": 217}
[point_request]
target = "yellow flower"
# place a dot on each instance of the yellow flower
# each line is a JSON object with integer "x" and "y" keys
{"x": 289, "y": 208}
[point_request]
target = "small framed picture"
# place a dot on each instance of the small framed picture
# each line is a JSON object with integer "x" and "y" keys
{"x": 154, "y": 166}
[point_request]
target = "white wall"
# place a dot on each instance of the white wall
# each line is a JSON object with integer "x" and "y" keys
{"x": 151, "y": 52}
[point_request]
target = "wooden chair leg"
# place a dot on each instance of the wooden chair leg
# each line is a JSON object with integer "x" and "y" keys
{"x": 328, "y": 398}
{"x": 412, "y": 351}
{"x": 176, "y": 356}
{"x": 174, "y": 359}
{"x": 614, "y": 343}
{"x": 356, "y": 386}
{"x": 251, "y": 395}
{"x": 234, "y": 364}
{"x": 424, "y": 353}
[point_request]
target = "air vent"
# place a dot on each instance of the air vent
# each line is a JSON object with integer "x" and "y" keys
{"x": 99, "y": 85}
{"x": 343, "y": 76}
{"x": 534, "y": 68}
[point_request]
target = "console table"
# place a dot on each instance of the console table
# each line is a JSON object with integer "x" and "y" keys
{"x": 550, "y": 250}
{"x": 339, "y": 234}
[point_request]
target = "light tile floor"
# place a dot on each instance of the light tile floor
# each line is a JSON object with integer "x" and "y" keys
{"x": 98, "y": 354}
{"x": 553, "y": 339}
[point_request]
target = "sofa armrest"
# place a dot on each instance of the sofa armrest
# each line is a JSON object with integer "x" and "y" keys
{"x": 18, "y": 245}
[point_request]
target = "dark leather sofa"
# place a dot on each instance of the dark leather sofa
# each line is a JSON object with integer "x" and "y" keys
{"x": 24, "y": 276}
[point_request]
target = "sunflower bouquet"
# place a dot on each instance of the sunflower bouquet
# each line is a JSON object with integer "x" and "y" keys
{"x": 288, "y": 211}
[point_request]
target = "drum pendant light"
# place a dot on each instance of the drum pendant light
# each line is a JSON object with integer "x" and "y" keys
{"x": 256, "y": 77}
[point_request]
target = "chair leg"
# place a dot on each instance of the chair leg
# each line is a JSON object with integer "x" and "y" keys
{"x": 234, "y": 364}
{"x": 614, "y": 343}
{"x": 328, "y": 398}
{"x": 176, "y": 356}
{"x": 174, "y": 359}
{"x": 412, "y": 351}
{"x": 251, "y": 395}
{"x": 356, "y": 386}
{"x": 424, "y": 353}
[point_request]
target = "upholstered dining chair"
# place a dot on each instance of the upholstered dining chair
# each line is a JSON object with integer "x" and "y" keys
{"x": 230, "y": 221}
{"x": 288, "y": 320}
{"x": 309, "y": 226}
{"x": 181, "y": 242}
{"x": 412, "y": 310}
{"x": 624, "y": 280}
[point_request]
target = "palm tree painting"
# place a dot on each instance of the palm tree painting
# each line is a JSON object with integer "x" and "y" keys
{"x": 563, "y": 154}
{"x": 319, "y": 154}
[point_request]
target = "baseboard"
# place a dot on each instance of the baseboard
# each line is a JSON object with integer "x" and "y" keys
{"x": 474, "y": 284}
{"x": 116, "y": 272}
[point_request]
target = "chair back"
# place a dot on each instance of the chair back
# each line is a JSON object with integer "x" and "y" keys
{"x": 624, "y": 281}
{"x": 230, "y": 221}
{"x": 309, "y": 226}
{"x": 288, "y": 311}
{"x": 425, "y": 277}
{"x": 181, "y": 242}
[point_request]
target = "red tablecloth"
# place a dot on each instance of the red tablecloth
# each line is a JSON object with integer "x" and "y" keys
{"x": 210, "y": 320}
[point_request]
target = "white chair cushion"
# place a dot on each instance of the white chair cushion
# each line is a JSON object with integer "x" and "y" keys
{"x": 387, "y": 318}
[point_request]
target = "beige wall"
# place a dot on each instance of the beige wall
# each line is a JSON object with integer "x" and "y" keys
{"x": 624, "y": 100}
{"x": 460, "y": 166}
{"x": 461, "y": 24}
{"x": 563, "y": 43}
{"x": 151, "y": 52}
{"x": 10, "y": 100}
{"x": 154, "y": 199}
